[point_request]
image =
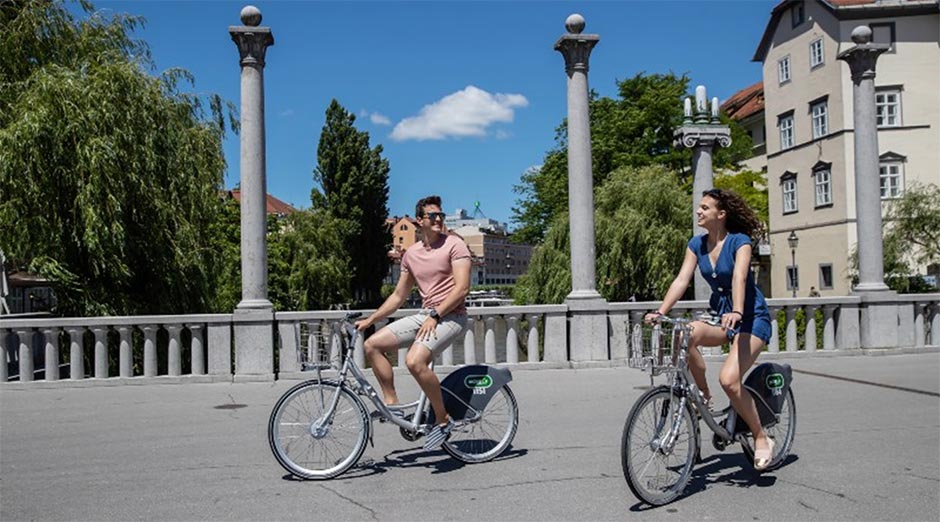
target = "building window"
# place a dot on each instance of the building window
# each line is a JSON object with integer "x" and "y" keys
{"x": 888, "y": 106}
{"x": 783, "y": 70}
{"x": 892, "y": 180}
{"x": 793, "y": 278}
{"x": 823, "y": 175}
{"x": 797, "y": 14}
{"x": 816, "y": 53}
{"x": 785, "y": 123}
{"x": 820, "y": 114}
{"x": 788, "y": 182}
{"x": 883, "y": 33}
{"x": 825, "y": 276}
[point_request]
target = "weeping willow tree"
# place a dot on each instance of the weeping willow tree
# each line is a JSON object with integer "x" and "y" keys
{"x": 641, "y": 223}
{"x": 109, "y": 177}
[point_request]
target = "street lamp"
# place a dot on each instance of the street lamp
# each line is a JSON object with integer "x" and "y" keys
{"x": 793, "y": 241}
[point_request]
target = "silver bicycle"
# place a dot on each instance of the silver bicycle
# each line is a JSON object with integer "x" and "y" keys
{"x": 319, "y": 428}
{"x": 661, "y": 438}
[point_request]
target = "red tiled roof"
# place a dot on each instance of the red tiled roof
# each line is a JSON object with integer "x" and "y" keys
{"x": 271, "y": 203}
{"x": 744, "y": 103}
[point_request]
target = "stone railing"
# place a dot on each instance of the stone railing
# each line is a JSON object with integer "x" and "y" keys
{"x": 133, "y": 349}
{"x": 186, "y": 348}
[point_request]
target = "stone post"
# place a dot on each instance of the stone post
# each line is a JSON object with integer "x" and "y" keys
{"x": 588, "y": 309}
{"x": 701, "y": 134}
{"x": 879, "y": 327}
{"x": 254, "y": 316}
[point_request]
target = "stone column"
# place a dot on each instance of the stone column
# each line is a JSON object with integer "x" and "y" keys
{"x": 576, "y": 48}
{"x": 254, "y": 316}
{"x": 702, "y": 135}
{"x": 861, "y": 60}
{"x": 879, "y": 312}
{"x": 588, "y": 309}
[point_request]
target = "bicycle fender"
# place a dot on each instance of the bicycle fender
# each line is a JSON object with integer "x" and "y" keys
{"x": 472, "y": 387}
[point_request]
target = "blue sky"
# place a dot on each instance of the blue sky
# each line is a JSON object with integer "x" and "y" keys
{"x": 463, "y": 96}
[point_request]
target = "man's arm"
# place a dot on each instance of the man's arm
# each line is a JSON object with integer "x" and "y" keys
{"x": 405, "y": 283}
{"x": 461, "y": 288}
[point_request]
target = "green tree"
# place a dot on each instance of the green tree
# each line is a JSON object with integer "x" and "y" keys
{"x": 911, "y": 238}
{"x": 642, "y": 227}
{"x": 308, "y": 266}
{"x": 354, "y": 180}
{"x": 750, "y": 185}
{"x": 635, "y": 130}
{"x": 109, "y": 177}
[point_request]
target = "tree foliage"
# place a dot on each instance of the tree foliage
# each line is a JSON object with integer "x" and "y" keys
{"x": 911, "y": 238}
{"x": 635, "y": 130}
{"x": 641, "y": 230}
{"x": 354, "y": 180}
{"x": 751, "y": 186}
{"x": 109, "y": 177}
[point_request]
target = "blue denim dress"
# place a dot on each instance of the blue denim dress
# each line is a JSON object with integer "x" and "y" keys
{"x": 756, "y": 320}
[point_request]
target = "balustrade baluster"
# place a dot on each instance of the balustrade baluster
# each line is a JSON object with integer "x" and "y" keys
{"x": 4, "y": 371}
{"x": 174, "y": 352}
{"x": 532, "y": 343}
{"x": 101, "y": 351}
{"x": 51, "y": 342}
{"x": 792, "y": 344}
{"x": 76, "y": 357}
{"x": 774, "y": 344}
{"x": 935, "y": 323}
{"x": 125, "y": 351}
{"x": 489, "y": 340}
{"x": 150, "y": 349}
{"x": 359, "y": 355}
{"x": 26, "y": 353}
{"x": 809, "y": 338}
{"x": 919, "y": 333}
{"x": 447, "y": 356}
{"x": 829, "y": 327}
{"x": 197, "y": 350}
{"x": 512, "y": 339}
{"x": 469, "y": 343}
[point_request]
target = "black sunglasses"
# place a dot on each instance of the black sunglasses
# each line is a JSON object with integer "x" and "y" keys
{"x": 434, "y": 215}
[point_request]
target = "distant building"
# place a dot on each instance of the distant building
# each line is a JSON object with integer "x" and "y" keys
{"x": 747, "y": 108}
{"x": 273, "y": 206}
{"x": 460, "y": 218}
{"x": 808, "y": 146}
{"x": 501, "y": 261}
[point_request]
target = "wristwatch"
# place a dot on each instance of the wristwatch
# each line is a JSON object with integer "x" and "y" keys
{"x": 433, "y": 314}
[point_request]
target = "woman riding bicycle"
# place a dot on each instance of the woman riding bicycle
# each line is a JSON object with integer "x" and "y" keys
{"x": 723, "y": 256}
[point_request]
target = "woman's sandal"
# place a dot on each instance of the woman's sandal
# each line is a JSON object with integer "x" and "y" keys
{"x": 763, "y": 457}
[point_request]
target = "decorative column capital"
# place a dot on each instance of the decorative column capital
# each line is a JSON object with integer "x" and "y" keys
{"x": 252, "y": 43}
{"x": 863, "y": 57}
{"x": 576, "y": 47}
{"x": 692, "y": 136}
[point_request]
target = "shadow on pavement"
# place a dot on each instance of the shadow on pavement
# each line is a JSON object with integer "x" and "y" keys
{"x": 724, "y": 468}
{"x": 413, "y": 458}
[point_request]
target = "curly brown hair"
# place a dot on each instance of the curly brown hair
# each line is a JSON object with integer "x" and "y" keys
{"x": 741, "y": 219}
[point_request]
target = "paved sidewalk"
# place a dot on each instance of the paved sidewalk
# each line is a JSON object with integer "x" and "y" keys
{"x": 864, "y": 451}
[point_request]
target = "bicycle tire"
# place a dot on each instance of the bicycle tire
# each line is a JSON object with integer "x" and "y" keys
{"x": 654, "y": 410}
{"x": 488, "y": 437}
{"x": 309, "y": 453}
{"x": 783, "y": 433}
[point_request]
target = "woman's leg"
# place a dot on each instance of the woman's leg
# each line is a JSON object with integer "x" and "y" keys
{"x": 703, "y": 334}
{"x": 744, "y": 351}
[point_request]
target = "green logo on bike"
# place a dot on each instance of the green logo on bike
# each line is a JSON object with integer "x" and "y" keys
{"x": 774, "y": 381}
{"x": 478, "y": 381}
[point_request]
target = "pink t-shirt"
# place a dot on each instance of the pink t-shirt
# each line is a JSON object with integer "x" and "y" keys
{"x": 432, "y": 268}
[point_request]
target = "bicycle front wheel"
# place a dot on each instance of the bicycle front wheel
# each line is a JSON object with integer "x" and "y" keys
{"x": 657, "y": 461}
{"x": 310, "y": 439}
{"x": 486, "y": 438}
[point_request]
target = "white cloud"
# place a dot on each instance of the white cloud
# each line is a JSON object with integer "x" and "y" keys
{"x": 379, "y": 119}
{"x": 464, "y": 113}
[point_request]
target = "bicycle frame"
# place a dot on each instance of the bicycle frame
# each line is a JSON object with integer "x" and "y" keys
{"x": 362, "y": 386}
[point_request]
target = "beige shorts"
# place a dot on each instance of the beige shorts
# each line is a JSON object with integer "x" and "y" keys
{"x": 447, "y": 331}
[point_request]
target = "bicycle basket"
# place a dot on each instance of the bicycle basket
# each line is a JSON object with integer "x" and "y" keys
{"x": 320, "y": 346}
{"x": 652, "y": 346}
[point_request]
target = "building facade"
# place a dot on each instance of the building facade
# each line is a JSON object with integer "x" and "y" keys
{"x": 499, "y": 260}
{"x": 807, "y": 98}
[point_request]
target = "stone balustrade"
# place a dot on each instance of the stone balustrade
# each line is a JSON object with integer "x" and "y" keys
{"x": 200, "y": 348}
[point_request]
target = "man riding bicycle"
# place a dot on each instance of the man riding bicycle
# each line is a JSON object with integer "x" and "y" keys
{"x": 440, "y": 265}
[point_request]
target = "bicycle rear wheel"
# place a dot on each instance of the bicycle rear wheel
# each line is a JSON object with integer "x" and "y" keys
{"x": 489, "y": 436}
{"x": 310, "y": 444}
{"x": 782, "y": 432}
{"x": 657, "y": 473}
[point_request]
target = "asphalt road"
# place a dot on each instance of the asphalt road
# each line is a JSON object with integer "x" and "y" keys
{"x": 167, "y": 452}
